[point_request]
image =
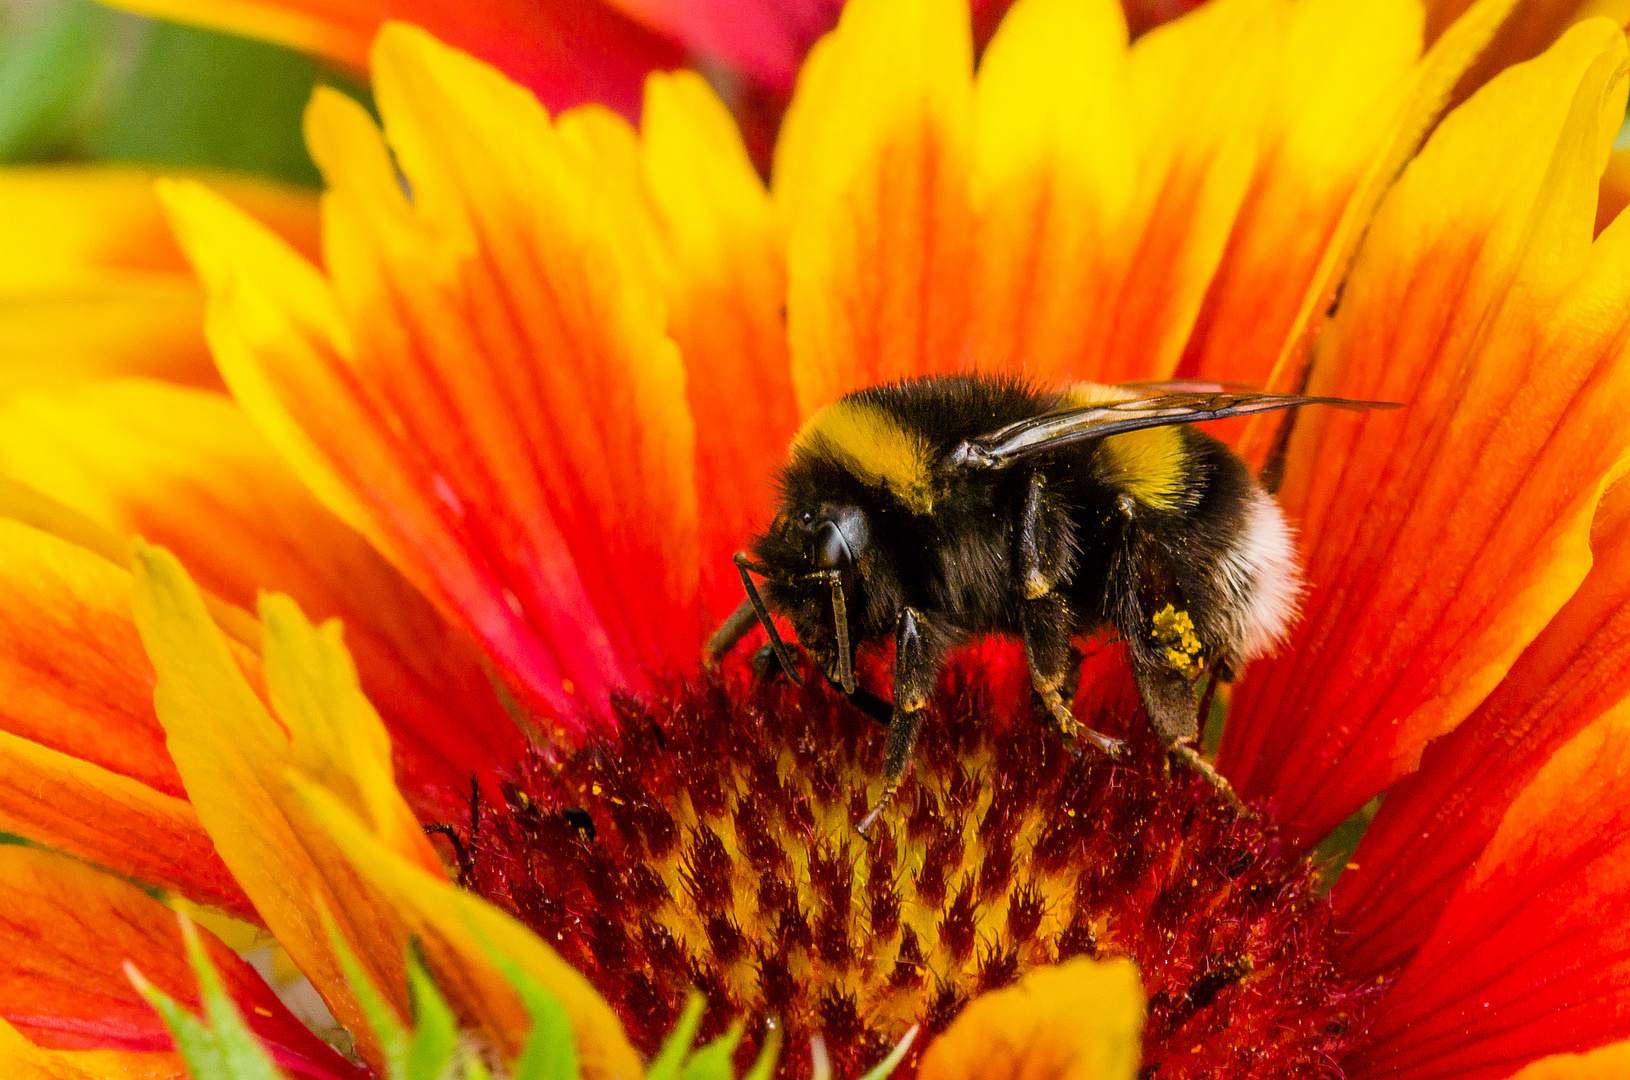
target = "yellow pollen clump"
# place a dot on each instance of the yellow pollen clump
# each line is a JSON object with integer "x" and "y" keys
{"x": 1175, "y": 630}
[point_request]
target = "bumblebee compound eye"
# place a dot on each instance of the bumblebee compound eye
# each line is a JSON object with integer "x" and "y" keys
{"x": 831, "y": 549}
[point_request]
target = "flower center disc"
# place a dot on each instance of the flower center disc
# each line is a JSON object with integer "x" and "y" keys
{"x": 712, "y": 845}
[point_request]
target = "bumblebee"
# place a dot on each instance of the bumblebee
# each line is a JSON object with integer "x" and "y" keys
{"x": 942, "y": 508}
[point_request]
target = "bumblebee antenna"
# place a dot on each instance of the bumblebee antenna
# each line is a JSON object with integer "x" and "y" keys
{"x": 840, "y": 617}
{"x": 744, "y": 564}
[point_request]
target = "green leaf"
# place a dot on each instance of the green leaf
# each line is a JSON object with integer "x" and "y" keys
{"x": 435, "y": 1030}
{"x": 550, "y": 1052}
{"x": 712, "y": 1062}
{"x": 222, "y": 1050}
{"x": 897, "y": 1055}
{"x": 767, "y": 1056}
{"x": 677, "y": 1045}
{"x": 393, "y": 1037}
{"x": 204, "y": 99}
{"x": 51, "y": 71}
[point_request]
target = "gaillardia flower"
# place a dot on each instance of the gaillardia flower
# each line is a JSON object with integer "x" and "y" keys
{"x": 511, "y": 423}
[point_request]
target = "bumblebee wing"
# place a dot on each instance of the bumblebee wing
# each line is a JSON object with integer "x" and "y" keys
{"x": 1053, "y": 430}
{"x": 1187, "y": 386}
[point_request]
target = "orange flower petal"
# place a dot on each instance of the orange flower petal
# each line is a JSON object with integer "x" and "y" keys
{"x": 339, "y": 31}
{"x": 1534, "y": 25}
{"x": 239, "y": 764}
{"x": 1346, "y": 73}
{"x": 22, "y": 1060}
{"x": 1422, "y": 104}
{"x": 726, "y": 302}
{"x": 66, "y": 931}
{"x": 60, "y": 801}
{"x": 508, "y": 490}
{"x": 83, "y": 766}
{"x": 95, "y": 284}
{"x": 1532, "y": 955}
{"x": 452, "y": 926}
{"x": 76, "y": 679}
{"x": 1082, "y": 1020}
{"x": 185, "y": 469}
{"x": 1179, "y": 118}
{"x": 1604, "y": 1063}
{"x": 1434, "y": 823}
{"x": 1443, "y": 537}
{"x": 872, "y": 172}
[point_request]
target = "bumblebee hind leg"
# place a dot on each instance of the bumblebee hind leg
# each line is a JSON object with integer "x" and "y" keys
{"x": 1173, "y": 713}
{"x": 1047, "y": 625}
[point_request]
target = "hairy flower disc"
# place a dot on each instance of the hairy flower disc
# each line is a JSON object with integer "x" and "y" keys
{"x": 714, "y": 846}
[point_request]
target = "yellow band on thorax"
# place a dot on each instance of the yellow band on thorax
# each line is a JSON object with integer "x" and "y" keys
{"x": 875, "y": 447}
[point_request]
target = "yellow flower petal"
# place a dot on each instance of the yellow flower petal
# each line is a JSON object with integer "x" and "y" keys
{"x": 1611, "y": 1062}
{"x": 872, "y": 172}
{"x": 1082, "y": 1020}
{"x": 450, "y": 926}
{"x": 335, "y": 737}
{"x": 94, "y": 283}
{"x": 236, "y": 761}
{"x": 727, "y": 290}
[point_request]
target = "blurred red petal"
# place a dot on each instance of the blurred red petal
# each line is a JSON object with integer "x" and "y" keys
{"x": 764, "y": 39}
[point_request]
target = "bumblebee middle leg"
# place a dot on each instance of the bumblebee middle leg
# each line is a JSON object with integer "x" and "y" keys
{"x": 916, "y": 667}
{"x": 1047, "y": 625}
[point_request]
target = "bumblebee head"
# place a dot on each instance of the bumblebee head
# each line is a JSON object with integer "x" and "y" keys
{"x": 810, "y": 561}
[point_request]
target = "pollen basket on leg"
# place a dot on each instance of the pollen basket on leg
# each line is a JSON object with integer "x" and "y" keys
{"x": 714, "y": 846}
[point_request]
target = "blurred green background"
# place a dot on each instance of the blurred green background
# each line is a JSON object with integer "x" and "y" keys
{"x": 83, "y": 82}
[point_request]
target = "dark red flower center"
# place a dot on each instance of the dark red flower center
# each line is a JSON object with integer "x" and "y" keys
{"x": 712, "y": 845}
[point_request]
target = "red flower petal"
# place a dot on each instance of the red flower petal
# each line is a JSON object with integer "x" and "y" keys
{"x": 566, "y": 51}
{"x": 764, "y": 39}
{"x": 1434, "y": 824}
{"x": 1443, "y": 537}
{"x": 1532, "y": 955}
{"x": 66, "y": 931}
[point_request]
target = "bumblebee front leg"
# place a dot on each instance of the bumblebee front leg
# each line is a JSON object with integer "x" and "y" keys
{"x": 916, "y": 668}
{"x": 1169, "y": 698}
{"x": 1047, "y": 625}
